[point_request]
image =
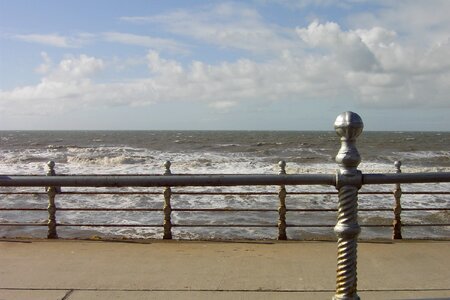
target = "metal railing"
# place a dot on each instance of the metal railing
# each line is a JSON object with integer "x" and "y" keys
{"x": 347, "y": 181}
{"x": 282, "y": 223}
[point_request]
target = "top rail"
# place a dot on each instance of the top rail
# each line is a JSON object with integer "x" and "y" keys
{"x": 167, "y": 180}
{"x": 406, "y": 178}
{"x": 213, "y": 180}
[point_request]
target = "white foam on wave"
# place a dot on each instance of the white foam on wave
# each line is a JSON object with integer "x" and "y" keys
{"x": 420, "y": 155}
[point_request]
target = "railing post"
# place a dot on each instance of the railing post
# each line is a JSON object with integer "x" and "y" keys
{"x": 51, "y": 208}
{"x": 397, "y": 224}
{"x": 167, "y": 206}
{"x": 282, "y": 208}
{"x": 348, "y": 126}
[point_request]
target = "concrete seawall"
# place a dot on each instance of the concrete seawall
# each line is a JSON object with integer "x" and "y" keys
{"x": 74, "y": 270}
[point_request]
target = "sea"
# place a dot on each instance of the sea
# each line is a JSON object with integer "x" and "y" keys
{"x": 220, "y": 152}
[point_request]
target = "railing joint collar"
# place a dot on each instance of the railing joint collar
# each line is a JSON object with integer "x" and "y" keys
{"x": 355, "y": 179}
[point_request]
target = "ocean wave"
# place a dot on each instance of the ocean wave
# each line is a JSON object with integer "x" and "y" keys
{"x": 58, "y": 147}
{"x": 420, "y": 155}
{"x": 227, "y": 145}
{"x": 106, "y": 161}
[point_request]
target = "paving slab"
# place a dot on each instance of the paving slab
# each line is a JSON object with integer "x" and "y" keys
{"x": 33, "y": 294}
{"x": 217, "y": 270}
{"x": 207, "y": 295}
{"x": 184, "y": 295}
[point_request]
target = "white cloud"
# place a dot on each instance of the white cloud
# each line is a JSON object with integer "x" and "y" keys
{"x": 379, "y": 69}
{"x": 54, "y": 40}
{"x": 226, "y": 25}
{"x": 302, "y": 4}
{"x": 419, "y": 23}
{"x": 46, "y": 65}
{"x": 81, "y": 39}
{"x": 64, "y": 86}
{"x": 372, "y": 66}
{"x": 163, "y": 66}
{"x": 223, "y": 105}
{"x": 145, "y": 41}
{"x": 76, "y": 68}
{"x": 348, "y": 47}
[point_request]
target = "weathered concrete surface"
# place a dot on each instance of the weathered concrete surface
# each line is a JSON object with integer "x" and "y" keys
{"x": 208, "y": 295}
{"x": 40, "y": 269}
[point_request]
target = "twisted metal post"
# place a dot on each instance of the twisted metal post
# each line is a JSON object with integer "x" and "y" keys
{"x": 282, "y": 208}
{"x": 51, "y": 208}
{"x": 167, "y": 206}
{"x": 348, "y": 126}
{"x": 397, "y": 223}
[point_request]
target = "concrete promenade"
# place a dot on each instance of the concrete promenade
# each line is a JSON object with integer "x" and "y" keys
{"x": 82, "y": 270}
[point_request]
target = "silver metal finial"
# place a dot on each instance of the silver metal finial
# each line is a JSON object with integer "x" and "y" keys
{"x": 167, "y": 165}
{"x": 348, "y": 126}
{"x": 51, "y": 168}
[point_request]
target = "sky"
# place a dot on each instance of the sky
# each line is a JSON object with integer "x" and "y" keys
{"x": 224, "y": 65}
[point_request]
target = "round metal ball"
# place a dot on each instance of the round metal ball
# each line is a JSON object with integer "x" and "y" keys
{"x": 348, "y": 125}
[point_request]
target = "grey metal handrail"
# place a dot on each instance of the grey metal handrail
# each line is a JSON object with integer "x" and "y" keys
{"x": 213, "y": 180}
{"x": 405, "y": 178}
{"x": 166, "y": 180}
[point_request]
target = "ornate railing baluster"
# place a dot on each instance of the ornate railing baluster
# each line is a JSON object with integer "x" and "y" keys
{"x": 397, "y": 224}
{"x": 51, "y": 208}
{"x": 348, "y": 126}
{"x": 167, "y": 206}
{"x": 282, "y": 208}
